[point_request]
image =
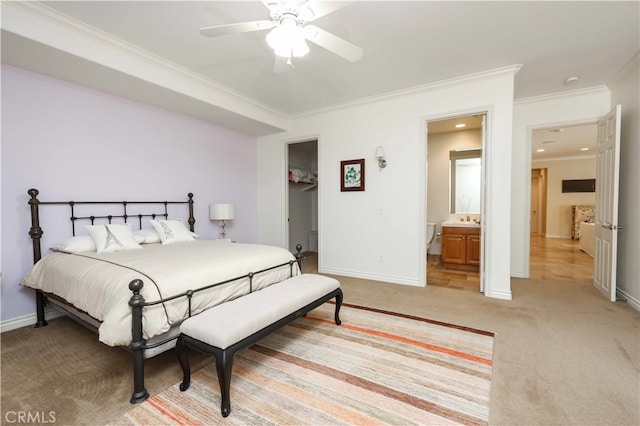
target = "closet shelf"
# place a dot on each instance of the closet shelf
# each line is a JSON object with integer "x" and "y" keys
{"x": 304, "y": 186}
{"x": 310, "y": 186}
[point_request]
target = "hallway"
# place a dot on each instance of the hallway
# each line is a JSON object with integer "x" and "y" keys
{"x": 560, "y": 259}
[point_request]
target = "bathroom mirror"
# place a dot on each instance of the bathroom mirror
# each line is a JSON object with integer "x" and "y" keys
{"x": 466, "y": 178}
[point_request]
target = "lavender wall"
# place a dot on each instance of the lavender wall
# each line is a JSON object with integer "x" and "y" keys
{"x": 75, "y": 143}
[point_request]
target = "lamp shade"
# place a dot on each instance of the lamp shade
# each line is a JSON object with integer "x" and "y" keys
{"x": 223, "y": 211}
{"x": 379, "y": 152}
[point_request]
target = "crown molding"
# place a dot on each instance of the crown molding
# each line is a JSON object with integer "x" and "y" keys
{"x": 559, "y": 95}
{"x": 511, "y": 69}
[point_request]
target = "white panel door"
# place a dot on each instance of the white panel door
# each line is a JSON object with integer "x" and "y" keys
{"x": 606, "y": 217}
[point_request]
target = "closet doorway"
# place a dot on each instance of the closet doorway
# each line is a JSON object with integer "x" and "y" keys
{"x": 302, "y": 220}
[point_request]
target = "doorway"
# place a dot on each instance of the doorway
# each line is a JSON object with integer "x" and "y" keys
{"x": 454, "y": 197}
{"x": 557, "y": 249}
{"x": 302, "y": 219}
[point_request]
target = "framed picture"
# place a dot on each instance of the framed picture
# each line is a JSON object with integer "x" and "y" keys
{"x": 352, "y": 175}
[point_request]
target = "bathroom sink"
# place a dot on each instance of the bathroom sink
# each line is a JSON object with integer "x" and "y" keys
{"x": 462, "y": 224}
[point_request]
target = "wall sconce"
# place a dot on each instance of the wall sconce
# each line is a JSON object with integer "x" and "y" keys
{"x": 382, "y": 163}
{"x": 222, "y": 212}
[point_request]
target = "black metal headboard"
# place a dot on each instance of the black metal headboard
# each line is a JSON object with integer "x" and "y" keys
{"x": 123, "y": 213}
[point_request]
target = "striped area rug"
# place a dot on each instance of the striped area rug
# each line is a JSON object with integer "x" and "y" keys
{"x": 377, "y": 368}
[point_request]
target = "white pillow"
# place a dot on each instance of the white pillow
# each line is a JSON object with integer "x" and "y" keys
{"x": 77, "y": 244}
{"x": 148, "y": 236}
{"x": 172, "y": 231}
{"x": 113, "y": 237}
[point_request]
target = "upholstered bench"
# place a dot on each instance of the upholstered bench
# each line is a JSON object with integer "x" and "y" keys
{"x": 226, "y": 328}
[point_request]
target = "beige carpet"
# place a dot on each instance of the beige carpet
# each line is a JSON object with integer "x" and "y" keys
{"x": 376, "y": 368}
{"x": 562, "y": 355}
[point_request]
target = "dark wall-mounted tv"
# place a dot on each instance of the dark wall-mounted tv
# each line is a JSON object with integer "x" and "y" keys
{"x": 579, "y": 185}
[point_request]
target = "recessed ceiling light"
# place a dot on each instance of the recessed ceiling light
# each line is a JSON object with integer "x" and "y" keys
{"x": 584, "y": 149}
{"x": 556, "y": 130}
{"x": 540, "y": 150}
{"x": 549, "y": 141}
{"x": 571, "y": 80}
{"x": 460, "y": 126}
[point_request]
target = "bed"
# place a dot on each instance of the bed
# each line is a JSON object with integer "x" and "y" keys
{"x": 587, "y": 238}
{"x": 135, "y": 293}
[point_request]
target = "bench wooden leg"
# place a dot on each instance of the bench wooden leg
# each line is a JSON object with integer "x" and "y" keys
{"x": 339, "y": 297}
{"x": 183, "y": 359}
{"x": 224, "y": 365}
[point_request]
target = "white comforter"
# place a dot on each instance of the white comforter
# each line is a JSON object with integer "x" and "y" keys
{"x": 98, "y": 284}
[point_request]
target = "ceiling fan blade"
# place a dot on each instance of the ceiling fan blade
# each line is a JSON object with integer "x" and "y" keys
{"x": 243, "y": 27}
{"x": 333, "y": 43}
{"x": 311, "y": 10}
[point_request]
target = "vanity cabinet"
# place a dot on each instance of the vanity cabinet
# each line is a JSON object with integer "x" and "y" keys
{"x": 461, "y": 247}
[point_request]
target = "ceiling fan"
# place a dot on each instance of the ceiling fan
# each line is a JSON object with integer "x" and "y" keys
{"x": 290, "y": 30}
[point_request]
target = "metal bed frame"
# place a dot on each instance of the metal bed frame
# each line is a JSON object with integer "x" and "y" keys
{"x": 137, "y": 302}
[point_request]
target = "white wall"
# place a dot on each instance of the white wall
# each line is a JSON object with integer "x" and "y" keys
{"x": 625, "y": 91}
{"x": 438, "y": 190}
{"x": 577, "y": 107}
{"x": 73, "y": 143}
{"x": 559, "y": 204}
{"x": 388, "y": 220}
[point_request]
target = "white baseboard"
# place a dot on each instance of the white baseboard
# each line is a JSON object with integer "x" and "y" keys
{"x": 374, "y": 277}
{"x": 566, "y": 237}
{"x": 503, "y": 295}
{"x": 518, "y": 274}
{"x": 27, "y": 320}
{"x": 629, "y": 300}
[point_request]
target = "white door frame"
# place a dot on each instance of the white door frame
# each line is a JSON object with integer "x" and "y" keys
{"x": 422, "y": 226}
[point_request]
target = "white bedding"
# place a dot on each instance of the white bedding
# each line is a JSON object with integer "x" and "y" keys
{"x": 587, "y": 238}
{"x": 99, "y": 283}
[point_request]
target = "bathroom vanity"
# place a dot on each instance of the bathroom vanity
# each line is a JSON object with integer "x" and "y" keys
{"x": 461, "y": 246}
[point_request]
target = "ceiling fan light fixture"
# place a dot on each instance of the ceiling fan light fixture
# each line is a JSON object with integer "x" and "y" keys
{"x": 296, "y": 49}
{"x": 287, "y": 39}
